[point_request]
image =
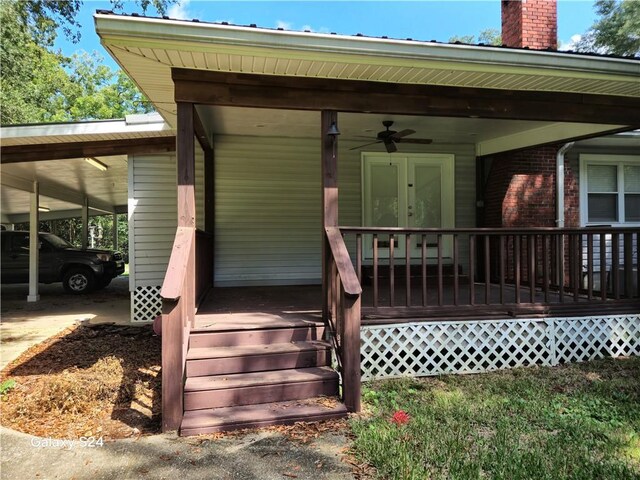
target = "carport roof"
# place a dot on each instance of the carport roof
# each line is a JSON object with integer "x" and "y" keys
{"x": 54, "y": 156}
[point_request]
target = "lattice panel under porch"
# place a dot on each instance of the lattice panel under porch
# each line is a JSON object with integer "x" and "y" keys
{"x": 582, "y": 339}
{"x": 422, "y": 349}
{"x": 146, "y": 304}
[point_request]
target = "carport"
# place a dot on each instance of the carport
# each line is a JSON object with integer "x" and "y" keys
{"x": 67, "y": 170}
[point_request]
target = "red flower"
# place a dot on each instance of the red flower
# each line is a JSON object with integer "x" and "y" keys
{"x": 400, "y": 417}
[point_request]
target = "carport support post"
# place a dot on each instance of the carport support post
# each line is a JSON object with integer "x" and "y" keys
{"x": 85, "y": 223}
{"x": 115, "y": 231}
{"x": 34, "y": 251}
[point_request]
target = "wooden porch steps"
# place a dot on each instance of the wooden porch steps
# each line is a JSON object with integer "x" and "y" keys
{"x": 253, "y": 370}
{"x": 200, "y": 422}
{"x": 256, "y": 358}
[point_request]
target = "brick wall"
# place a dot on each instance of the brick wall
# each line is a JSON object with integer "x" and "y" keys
{"x": 520, "y": 190}
{"x": 530, "y": 23}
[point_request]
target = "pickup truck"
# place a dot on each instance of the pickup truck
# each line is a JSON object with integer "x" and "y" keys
{"x": 80, "y": 271}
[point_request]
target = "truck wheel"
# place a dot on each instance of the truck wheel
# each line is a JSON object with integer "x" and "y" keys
{"x": 78, "y": 280}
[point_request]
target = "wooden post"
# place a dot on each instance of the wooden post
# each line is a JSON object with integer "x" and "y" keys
{"x": 329, "y": 162}
{"x": 177, "y": 319}
{"x": 351, "y": 352}
{"x": 185, "y": 148}
{"x": 34, "y": 244}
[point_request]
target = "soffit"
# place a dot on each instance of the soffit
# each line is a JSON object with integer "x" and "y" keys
{"x": 147, "y": 49}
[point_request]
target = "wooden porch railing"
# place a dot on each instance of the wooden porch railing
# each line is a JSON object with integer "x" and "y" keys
{"x": 344, "y": 317}
{"x": 462, "y": 269}
{"x": 178, "y": 312}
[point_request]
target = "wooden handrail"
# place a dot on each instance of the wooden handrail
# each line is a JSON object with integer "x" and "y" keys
{"x": 173, "y": 283}
{"x": 344, "y": 265}
{"x": 489, "y": 231}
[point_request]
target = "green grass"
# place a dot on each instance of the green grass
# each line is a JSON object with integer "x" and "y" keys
{"x": 578, "y": 421}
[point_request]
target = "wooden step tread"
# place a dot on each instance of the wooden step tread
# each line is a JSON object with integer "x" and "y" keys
{"x": 252, "y": 350}
{"x": 254, "y": 379}
{"x": 261, "y": 415}
{"x": 251, "y": 321}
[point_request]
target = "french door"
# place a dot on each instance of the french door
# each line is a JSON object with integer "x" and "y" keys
{"x": 407, "y": 190}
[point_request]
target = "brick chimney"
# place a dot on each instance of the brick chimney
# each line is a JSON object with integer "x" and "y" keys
{"x": 530, "y": 23}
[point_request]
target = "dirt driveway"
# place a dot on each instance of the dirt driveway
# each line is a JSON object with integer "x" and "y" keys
{"x": 24, "y": 324}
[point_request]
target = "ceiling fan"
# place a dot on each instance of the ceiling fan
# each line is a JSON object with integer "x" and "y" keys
{"x": 391, "y": 137}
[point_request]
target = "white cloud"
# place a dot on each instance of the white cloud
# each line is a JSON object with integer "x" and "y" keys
{"x": 571, "y": 44}
{"x": 180, "y": 10}
{"x": 283, "y": 25}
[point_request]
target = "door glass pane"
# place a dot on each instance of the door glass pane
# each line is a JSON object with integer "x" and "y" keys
{"x": 426, "y": 210}
{"x": 632, "y": 208}
{"x": 602, "y": 178}
{"x": 632, "y": 178}
{"x": 384, "y": 196}
{"x": 603, "y": 207}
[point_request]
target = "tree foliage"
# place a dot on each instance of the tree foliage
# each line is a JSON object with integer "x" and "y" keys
{"x": 617, "y": 30}
{"x": 39, "y": 84}
{"x": 71, "y": 230}
{"x": 488, "y": 36}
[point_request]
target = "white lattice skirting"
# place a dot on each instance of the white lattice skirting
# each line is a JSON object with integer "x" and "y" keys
{"x": 146, "y": 304}
{"x": 422, "y": 349}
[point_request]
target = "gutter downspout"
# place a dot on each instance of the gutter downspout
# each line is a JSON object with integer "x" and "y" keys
{"x": 560, "y": 184}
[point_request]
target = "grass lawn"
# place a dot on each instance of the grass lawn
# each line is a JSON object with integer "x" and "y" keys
{"x": 579, "y": 421}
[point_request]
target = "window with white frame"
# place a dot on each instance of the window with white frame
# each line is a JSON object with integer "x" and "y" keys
{"x": 610, "y": 189}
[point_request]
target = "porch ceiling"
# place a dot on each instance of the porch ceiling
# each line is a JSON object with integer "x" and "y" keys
{"x": 488, "y": 135}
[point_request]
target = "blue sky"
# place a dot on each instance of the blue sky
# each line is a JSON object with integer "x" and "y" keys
{"x": 420, "y": 20}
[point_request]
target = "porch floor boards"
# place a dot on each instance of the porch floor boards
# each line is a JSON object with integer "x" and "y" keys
{"x": 246, "y": 308}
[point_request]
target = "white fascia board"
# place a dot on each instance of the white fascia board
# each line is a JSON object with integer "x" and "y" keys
{"x": 555, "y": 132}
{"x": 134, "y": 126}
{"x": 177, "y": 34}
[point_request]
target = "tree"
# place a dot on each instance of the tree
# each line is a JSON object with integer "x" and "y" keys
{"x": 617, "y": 31}
{"x": 39, "y": 84}
{"x": 32, "y": 76}
{"x": 44, "y": 17}
{"x": 489, "y": 36}
{"x": 94, "y": 91}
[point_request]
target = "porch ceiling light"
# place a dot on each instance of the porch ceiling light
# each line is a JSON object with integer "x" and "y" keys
{"x": 333, "y": 130}
{"x": 96, "y": 163}
{"x": 44, "y": 209}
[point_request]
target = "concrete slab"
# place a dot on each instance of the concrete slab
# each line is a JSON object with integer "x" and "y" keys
{"x": 25, "y": 324}
{"x": 260, "y": 455}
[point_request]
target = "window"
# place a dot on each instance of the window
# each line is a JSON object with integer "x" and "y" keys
{"x": 610, "y": 189}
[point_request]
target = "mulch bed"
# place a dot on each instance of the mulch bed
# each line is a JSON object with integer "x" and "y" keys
{"x": 89, "y": 380}
{"x": 104, "y": 381}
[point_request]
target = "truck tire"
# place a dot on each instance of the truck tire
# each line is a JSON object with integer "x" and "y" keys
{"x": 78, "y": 280}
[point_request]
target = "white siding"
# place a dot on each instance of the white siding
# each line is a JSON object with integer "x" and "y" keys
{"x": 199, "y": 187}
{"x": 152, "y": 217}
{"x": 268, "y": 217}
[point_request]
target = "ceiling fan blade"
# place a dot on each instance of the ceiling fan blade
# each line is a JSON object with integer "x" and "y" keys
{"x": 403, "y": 133}
{"x": 422, "y": 141}
{"x": 390, "y": 146}
{"x": 365, "y": 145}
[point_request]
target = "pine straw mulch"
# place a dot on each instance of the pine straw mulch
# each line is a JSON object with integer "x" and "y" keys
{"x": 89, "y": 380}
